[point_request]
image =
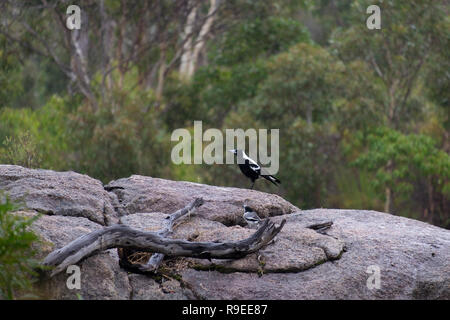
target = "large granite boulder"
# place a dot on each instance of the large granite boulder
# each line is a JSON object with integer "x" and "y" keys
{"x": 59, "y": 193}
{"x": 411, "y": 258}
{"x": 225, "y": 205}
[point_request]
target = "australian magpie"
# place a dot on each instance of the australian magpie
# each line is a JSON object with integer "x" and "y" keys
{"x": 251, "y": 169}
{"x": 250, "y": 216}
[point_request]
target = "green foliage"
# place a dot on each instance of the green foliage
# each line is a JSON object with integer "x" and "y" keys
{"x": 10, "y": 78}
{"x": 398, "y": 161}
{"x": 182, "y": 103}
{"x": 357, "y": 104}
{"x": 237, "y": 68}
{"x": 296, "y": 97}
{"x": 16, "y": 262}
{"x": 411, "y": 32}
{"x": 412, "y": 155}
{"x": 222, "y": 88}
{"x": 300, "y": 83}
{"x": 438, "y": 74}
{"x": 309, "y": 154}
{"x": 329, "y": 15}
{"x": 358, "y": 110}
{"x": 21, "y": 150}
{"x": 353, "y": 190}
{"x": 122, "y": 137}
{"x": 258, "y": 38}
{"x": 35, "y": 138}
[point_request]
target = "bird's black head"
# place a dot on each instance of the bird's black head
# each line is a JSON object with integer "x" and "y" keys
{"x": 247, "y": 208}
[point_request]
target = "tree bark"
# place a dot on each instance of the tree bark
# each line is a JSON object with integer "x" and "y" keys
{"x": 388, "y": 190}
{"x": 156, "y": 258}
{"x": 191, "y": 50}
{"x": 430, "y": 200}
{"x": 161, "y": 73}
{"x": 309, "y": 116}
{"x": 200, "y": 43}
{"x": 321, "y": 227}
{"x": 187, "y": 46}
{"x": 387, "y": 202}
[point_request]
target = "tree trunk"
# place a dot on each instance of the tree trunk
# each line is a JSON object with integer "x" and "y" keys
{"x": 387, "y": 202}
{"x": 119, "y": 49}
{"x": 309, "y": 116}
{"x": 161, "y": 72}
{"x": 79, "y": 60}
{"x": 187, "y": 47}
{"x": 107, "y": 42}
{"x": 388, "y": 190}
{"x": 191, "y": 51}
{"x": 200, "y": 43}
{"x": 430, "y": 200}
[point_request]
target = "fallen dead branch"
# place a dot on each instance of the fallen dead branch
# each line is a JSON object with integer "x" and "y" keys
{"x": 119, "y": 235}
{"x": 156, "y": 259}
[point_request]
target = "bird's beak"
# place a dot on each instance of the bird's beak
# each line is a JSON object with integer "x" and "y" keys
{"x": 232, "y": 151}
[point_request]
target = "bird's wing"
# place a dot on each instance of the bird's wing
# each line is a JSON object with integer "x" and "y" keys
{"x": 252, "y": 216}
{"x": 252, "y": 164}
{"x": 255, "y": 167}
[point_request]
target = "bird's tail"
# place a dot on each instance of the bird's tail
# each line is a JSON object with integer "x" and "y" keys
{"x": 272, "y": 179}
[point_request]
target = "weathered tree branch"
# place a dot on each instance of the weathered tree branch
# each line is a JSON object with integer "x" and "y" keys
{"x": 321, "y": 227}
{"x": 126, "y": 237}
{"x": 156, "y": 258}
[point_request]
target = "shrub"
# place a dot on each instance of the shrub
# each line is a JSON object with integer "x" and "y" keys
{"x": 21, "y": 150}
{"x": 16, "y": 262}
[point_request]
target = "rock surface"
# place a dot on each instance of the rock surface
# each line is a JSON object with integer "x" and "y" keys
{"x": 295, "y": 249}
{"x": 101, "y": 276}
{"x": 59, "y": 193}
{"x": 146, "y": 194}
{"x": 413, "y": 258}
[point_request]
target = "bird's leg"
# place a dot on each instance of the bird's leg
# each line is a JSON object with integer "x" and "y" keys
{"x": 253, "y": 183}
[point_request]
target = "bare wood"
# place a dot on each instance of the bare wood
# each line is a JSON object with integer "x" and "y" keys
{"x": 124, "y": 236}
{"x": 157, "y": 258}
{"x": 321, "y": 227}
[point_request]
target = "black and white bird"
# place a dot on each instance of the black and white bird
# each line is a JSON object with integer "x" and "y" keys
{"x": 251, "y": 169}
{"x": 250, "y": 216}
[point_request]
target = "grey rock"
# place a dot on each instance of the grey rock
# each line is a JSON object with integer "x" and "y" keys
{"x": 58, "y": 193}
{"x": 188, "y": 227}
{"x": 296, "y": 247}
{"x": 145, "y": 288}
{"x": 101, "y": 276}
{"x": 225, "y": 205}
{"x": 413, "y": 258}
